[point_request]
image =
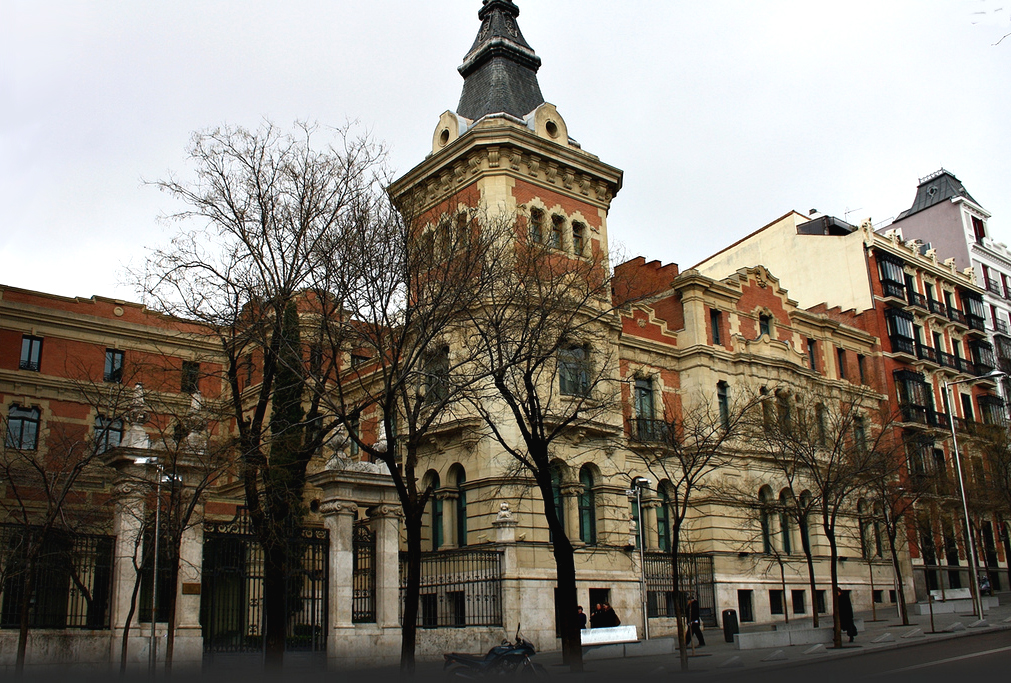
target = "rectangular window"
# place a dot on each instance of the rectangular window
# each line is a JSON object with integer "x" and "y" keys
{"x": 840, "y": 356}
{"x": 765, "y": 325}
{"x": 723, "y": 399}
{"x": 31, "y": 353}
{"x": 437, "y": 375}
{"x": 819, "y": 601}
{"x": 715, "y": 318}
{"x": 113, "y": 366}
{"x": 878, "y": 596}
{"x": 23, "y": 428}
{"x": 190, "y": 377}
{"x": 358, "y": 359}
{"x": 574, "y": 371}
{"x": 355, "y": 428}
{"x": 859, "y": 434}
{"x": 776, "y": 601}
{"x": 644, "y": 409}
{"x": 536, "y": 226}
{"x": 812, "y": 354}
{"x": 967, "y": 412}
{"x": 797, "y": 597}
{"x": 901, "y": 331}
{"x": 108, "y": 434}
{"x": 861, "y": 367}
{"x": 978, "y": 228}
{"x": 578, "y": 238}
{"x": 557, "y": 223}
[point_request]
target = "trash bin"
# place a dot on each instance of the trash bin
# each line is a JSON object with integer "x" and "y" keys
{"x": 730, "y": 627}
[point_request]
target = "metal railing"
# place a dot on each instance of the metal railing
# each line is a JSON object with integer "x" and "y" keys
{"x": 893, "y": 289}
{"x": 458, "y": 588}
{"x": 696, "y": 577}
{"x": 917, "y": 299}
{"x": 937, "y": 307}
{"x": 956, "y": 316}
{"x": 650, "y": 431}
{"x": 72, "y": 579}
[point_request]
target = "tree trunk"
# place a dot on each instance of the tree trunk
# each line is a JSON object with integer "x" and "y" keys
{"x": 678, "y": 611}
{"x": 170, "y": 626}
{"x": 125, "y": 644}
{"x": 26, "y": 604}
{"x": 565, "y": 562}
{"x": 834, "y": 573}
{"x": 275, "y": 607}
{"x": 782, "y": 581}
{"x": 412, "y": 593}
{"x": 897, "y": 569}
{"x": 805, "y": 542}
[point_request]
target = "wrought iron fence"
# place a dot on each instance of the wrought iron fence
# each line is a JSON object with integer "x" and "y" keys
{"x": 363, "y": 575}
{"x": 458, "y": 588}
{"x": 231, "y": 610}
{"x": 696, "y": 578}
{"x": 71, "y": 577}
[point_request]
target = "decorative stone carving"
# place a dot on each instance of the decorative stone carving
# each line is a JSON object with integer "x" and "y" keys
{"x": 338, "y": 507}
{"x": 504, "y": 513}
{"x": 382, "y": 511}
{"x": 493, "y": 157}
{"x": 135, "y": 436}
{"x": 533, "y": 165}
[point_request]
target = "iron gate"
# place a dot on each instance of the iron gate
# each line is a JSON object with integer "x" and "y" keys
{"x": 363, "y": 608}
{"x": 697, "y": 578}
{"x": 231, "y": 608}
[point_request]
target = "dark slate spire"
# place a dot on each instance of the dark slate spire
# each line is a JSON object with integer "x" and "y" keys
{"x": 940, "y": 186}
{"x": 500, "y": 71}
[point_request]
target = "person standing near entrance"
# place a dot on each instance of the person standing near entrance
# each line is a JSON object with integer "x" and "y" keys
{"x": 695, "y": 621}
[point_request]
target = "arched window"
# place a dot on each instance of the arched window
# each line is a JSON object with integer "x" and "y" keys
{"x": 536, "y": 226}
{"x": 765, "y": 511}
{"x": 435, "y": 511}
{"x": 461, "y": 508}
{"x": 784, "y": 521}
{"x": 587, "y": 509}
{"x": 663, "y": 530}
{"x": 557, "y": 228}
{"x": 764, "y": 324}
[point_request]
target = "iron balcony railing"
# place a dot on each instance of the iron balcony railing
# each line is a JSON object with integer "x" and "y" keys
{"x": 1001, "y": 327}
{"x": 926, "y": 353}
{"x": 645, "y": 430}
{"x": 976, "y": 322}
{"x": 29, "y": 365}
{"x": 918, "y": 300}
{"x": 937, "y": 307}
{"x": 956, "y": 316}
{"x": 903, "y": 345}
{"x": 893, "y": 289}
{"x": 994, "y": 287}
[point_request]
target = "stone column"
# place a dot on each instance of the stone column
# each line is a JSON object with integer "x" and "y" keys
{"x": 448, "y": 498}
{"x": 512, "y": 585}
{"x": 570, "y": 503}
{"x": 189, "y": 641}
{"x": 128, "y": 511}
{"x": 384, "y": 521}
{"x": 339, "y": 518}
{"x": 650, "y": 531}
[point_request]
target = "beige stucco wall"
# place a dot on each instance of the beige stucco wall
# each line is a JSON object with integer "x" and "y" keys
{"x": 815, "y": 269}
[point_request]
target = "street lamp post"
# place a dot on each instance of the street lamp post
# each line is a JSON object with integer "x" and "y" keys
{"x": 638, "y": 484}
{"x": 969, "y": 538}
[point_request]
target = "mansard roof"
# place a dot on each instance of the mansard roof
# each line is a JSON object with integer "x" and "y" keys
{"x": 938, "y": 187}
{"x": 500, "y": 71}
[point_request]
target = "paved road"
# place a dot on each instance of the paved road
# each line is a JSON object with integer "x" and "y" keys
{"x": 980, "y": 658}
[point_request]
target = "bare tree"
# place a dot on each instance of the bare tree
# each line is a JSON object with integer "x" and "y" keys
{"x": 687, "y": 448}
{"x": 271, "y": 204}
{"x": 829, "y": 452}
{"x": 546, "y": 340}
{"x": 408, "y": 282}
{"x": 47, "y": 471}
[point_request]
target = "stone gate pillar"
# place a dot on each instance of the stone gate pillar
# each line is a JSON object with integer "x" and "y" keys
{"x": 384, "y": 521}
{"x": 339, "y": 516}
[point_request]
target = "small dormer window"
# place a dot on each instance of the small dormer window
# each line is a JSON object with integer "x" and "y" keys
{"x": 764, "y": 324}
{"x": 978, "y": 229}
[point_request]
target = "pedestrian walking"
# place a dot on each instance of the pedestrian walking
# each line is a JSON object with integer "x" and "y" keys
{"x": 846, "y": 613}
{"x": 695, "y": 621}
{"x": 580, "y": 617}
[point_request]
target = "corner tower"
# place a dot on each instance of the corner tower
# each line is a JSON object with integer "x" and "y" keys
{"x": 508, "y": 152}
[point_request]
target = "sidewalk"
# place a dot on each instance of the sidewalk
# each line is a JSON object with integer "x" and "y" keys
{"x": 658, "y": 656}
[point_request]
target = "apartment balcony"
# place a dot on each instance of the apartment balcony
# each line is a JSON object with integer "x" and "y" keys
{"x": 893, "y": 290}
{"x": 903, "y": 345}
{"x": 949, "y": 361}
{"x": 917, "y": 300}
{"x": 956, "y": 316}
{"x": 1001, "y": 327}
{"x": 647, "y": 431}
{"x": 994, "y": 287}
{"x": 976, "y": 323}
{"x": 926, "y": 353}
{"x": 923, "y": 416}
{"x": 937, "y": 307}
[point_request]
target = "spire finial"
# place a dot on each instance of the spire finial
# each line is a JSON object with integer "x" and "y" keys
{"x": 500, "y": 71}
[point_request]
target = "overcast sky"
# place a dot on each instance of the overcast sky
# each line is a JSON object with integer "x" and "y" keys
{"x": 724, "y": 114}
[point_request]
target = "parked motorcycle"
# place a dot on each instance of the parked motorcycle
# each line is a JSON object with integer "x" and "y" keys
{"x": 507, "y": 659}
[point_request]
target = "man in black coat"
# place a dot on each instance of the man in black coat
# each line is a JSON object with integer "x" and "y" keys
{"x": 846, "y": 613}
{"x": 695, "y": 621}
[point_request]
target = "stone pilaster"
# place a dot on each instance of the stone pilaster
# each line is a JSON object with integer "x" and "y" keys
{"x": 650, "y": 531}
{"x": 339, "y": 518}
{"x": 384, "y": 520}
